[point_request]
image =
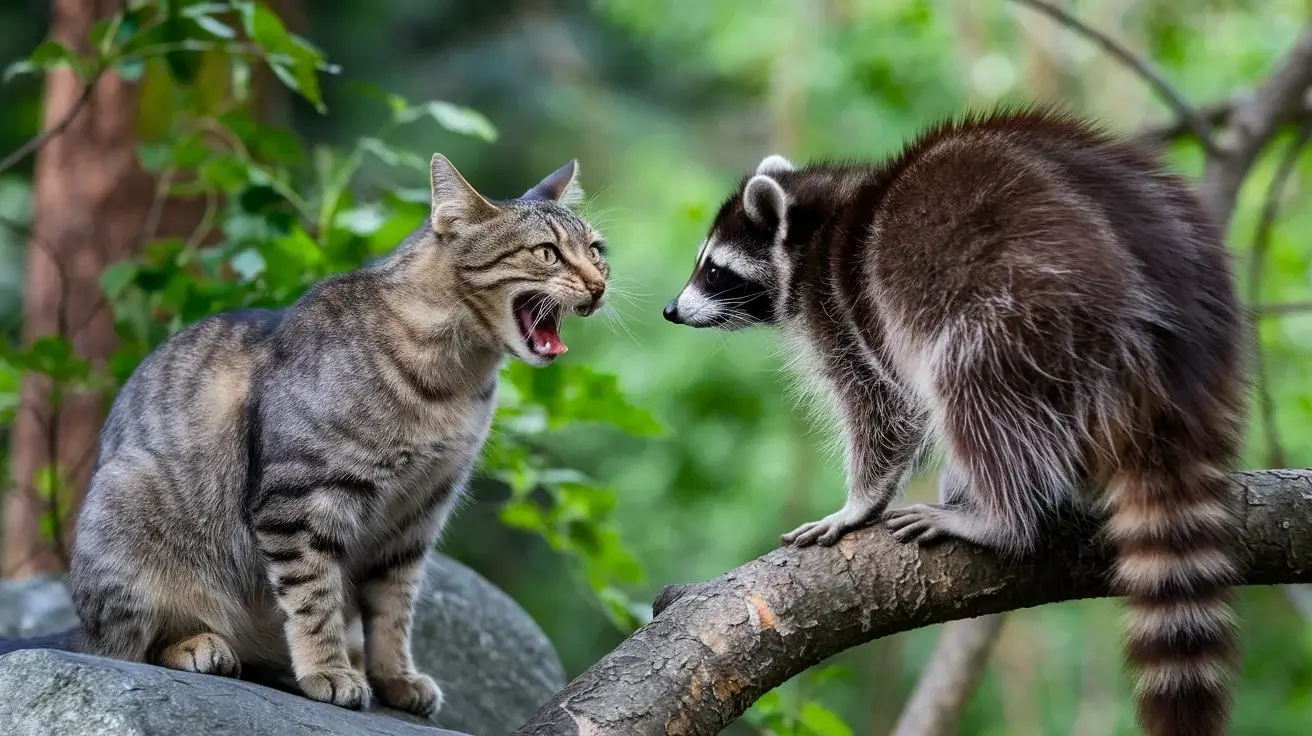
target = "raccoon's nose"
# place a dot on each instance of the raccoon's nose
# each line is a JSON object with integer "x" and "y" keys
{"x": 672, "y": 311}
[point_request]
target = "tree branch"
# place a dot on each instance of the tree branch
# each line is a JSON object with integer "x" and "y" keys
{"x": 1280, "y": 96}
{"x": 950, "y": 677}
{"x": 713, "y": 648}
{"x": 34, "y": 143}
{"x": 1256, "y": 270}
{"x": 1141, "y": 66}
{"x": 1282, "y": 309}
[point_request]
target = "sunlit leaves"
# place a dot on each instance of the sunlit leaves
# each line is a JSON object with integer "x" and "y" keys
{"x": 792, "y": 710}
{"x": 294, "y": 60}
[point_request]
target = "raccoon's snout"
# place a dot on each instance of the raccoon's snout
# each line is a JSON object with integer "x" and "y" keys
{"x": 672, "y": 312}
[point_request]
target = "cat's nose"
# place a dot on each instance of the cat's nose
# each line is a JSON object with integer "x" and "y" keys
{"x": 672, "y": 312}
{"x": 596, "y": 291}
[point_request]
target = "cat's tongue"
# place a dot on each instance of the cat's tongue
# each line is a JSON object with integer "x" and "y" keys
{"x": 547, "y": 342}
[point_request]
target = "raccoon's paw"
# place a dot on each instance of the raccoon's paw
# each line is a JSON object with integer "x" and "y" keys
{"x": 922, "y": 523}
{"x": 208, "y": 654}
{"x": 340, "y": 686}
{"x": 413, "y": 692}
{"x": 829, "y": 530}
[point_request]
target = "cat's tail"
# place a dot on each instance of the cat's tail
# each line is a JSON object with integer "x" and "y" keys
{"x": 64, "y": 641}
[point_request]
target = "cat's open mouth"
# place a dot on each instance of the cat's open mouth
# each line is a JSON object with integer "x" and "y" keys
{"x": 538, "y": 317}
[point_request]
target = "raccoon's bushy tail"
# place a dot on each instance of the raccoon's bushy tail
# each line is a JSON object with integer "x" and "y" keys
{"x": 65, "y": 641}
{"x": 1174, "y": 525}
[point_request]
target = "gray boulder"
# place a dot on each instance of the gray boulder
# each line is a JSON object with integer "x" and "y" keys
{"x": 48, "y": 693}
{"x": 495, "y": 665}
{"x": 35, "y": 606}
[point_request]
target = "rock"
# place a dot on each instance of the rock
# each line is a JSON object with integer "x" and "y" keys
{"x": 49, "y": 693}
{"x": 34, "y": 606}
{"x": 494, "y": 664}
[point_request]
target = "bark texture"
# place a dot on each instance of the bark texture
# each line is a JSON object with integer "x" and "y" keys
{"x": 91, "y": 199}
{"x": 713, "y": 648}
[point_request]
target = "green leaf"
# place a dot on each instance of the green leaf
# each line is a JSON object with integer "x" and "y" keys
{"x": 131, "y": 70}
{"x": 19, "y": 68}
{"x": 116, "y": 278}
{"x": 392, "y": 156}
{"x": 248, "y": 264}
{"x": 361, "y": 220}
{"x": 49, "y": 54}
{"x": 241, "y": 78}
{"x": 522, "y": 514}
{"x": 215, "y": 27}
{"x": 458, "y": 119}
{"x": 820, "y": 721}
{"x": 154, "y": 156}
{"x": 295, "y": 61}
{"x": 184, "y": 64}
{"x": 577, "y": 393}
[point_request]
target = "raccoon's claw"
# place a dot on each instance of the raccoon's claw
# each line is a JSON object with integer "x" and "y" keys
{"x": 827, "y": 531}
{"x": 921, "y": 523}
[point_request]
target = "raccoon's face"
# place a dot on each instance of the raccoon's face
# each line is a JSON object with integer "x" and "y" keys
{"x": 737, "y": 279}
{"x": 522, "y": 264}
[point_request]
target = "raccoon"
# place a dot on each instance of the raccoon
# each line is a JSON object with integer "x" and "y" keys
{"x": 1053, "y": 310}
{"x": 269, "y": 483}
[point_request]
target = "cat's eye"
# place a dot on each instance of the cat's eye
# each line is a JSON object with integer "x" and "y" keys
{"x": 596, "y": 251}
{"x": 547, "y": 252}
{"x": 712, "y": 275}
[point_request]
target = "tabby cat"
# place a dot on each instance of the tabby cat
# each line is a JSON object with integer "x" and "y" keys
{"x": 269, "y": 483}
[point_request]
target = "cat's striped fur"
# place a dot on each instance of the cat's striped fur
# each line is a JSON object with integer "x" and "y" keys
{"x": 269, "y": 483}
{"x": 1056, "y": 311}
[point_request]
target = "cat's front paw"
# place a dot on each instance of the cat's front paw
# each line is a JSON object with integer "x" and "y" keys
{"x": 829, "y": 530}
{"x": 413, "y": 692}
{"x": 340, "y": 686}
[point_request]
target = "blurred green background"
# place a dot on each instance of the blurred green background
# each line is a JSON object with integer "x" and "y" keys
{"x": 665, "y": 103}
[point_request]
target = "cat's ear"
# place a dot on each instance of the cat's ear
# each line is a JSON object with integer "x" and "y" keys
{"x": 454, "y": 200}
{"x": 562, "y": 186}
{"x": 765, "y": 202}
{"x": 774, "y": 164}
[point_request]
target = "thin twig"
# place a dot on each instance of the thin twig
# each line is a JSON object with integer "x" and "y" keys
{"x": 1252, "y": 125}
{"x": 1281, "y": 309}
{"x": 1139, "y": 65}
{"x": 949, "y": 679}
{"x": 44, "y": 137}
{"x": 1256, "y": 269}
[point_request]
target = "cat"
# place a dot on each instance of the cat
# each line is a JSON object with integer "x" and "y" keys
{"x": 269, "y": 483}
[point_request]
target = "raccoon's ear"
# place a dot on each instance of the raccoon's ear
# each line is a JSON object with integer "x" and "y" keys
{"x": 562, "y": 186}
{"x": 455, "y": 202}
{"x": 774, "y": 164}
{"x": 766, "y": 202}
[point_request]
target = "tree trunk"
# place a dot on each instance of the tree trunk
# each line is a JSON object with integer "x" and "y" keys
{"x": 92, "y": 203}
{"x": 90, "y": 200}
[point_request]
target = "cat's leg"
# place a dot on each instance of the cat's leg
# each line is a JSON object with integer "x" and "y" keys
{"x": 387, "y": 599}
{"x": 303, "y": 540}
{"x": 355, "y": 642}
{"x": 116, "y": 619}
{"x": 208, "y": 654}
{"x": 114, "y": 622}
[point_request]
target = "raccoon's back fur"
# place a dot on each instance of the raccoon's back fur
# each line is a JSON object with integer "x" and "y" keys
{"x": 1059, "y": 313}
